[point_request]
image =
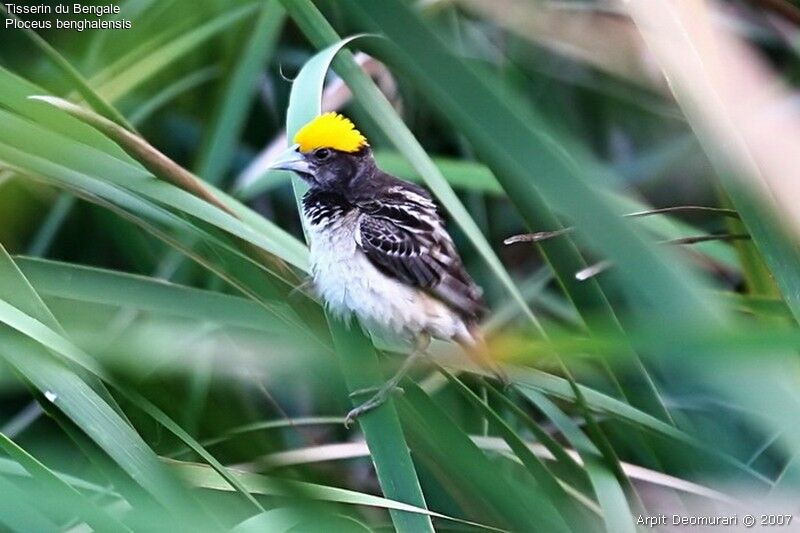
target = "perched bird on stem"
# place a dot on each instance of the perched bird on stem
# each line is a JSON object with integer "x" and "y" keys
{"x": 379, "y": 248}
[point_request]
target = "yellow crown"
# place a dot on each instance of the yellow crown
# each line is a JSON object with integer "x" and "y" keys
{"x": 330, "y": 130}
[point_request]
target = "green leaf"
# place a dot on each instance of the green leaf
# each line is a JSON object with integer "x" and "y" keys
{"x": 55, "y": 156}
{"x": 549, "y": 484}
{"x": 109, "y": 429}
{"x": 236, "y": 99}
{"x": 58, "y": 344}
{"x": 205, "y": 477}
{"x": 484, "y": 490}
{"x": 152, "y": 57}
{"x": 616, "y": 512}
{"x": 96, "y": 418}
{"x": 19, "y": 512}
{"x": 107, "y": 287}
{"x": 60, "y": 493}
{"x": 285, "y": 519}
{"x": 601, "y": 403}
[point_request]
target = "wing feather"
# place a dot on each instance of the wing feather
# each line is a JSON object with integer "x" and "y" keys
{"x": 402, "y": 234}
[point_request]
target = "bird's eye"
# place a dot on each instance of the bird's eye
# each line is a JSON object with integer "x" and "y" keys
{"x": 322, "y": 153}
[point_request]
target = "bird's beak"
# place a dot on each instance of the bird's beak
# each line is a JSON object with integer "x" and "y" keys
{"x": 293, "y": 161}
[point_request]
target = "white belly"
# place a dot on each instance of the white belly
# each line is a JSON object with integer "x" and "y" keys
{"x": 349, "y": 284}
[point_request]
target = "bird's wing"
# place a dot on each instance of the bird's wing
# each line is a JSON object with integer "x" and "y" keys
{"x": 402, "y": 234}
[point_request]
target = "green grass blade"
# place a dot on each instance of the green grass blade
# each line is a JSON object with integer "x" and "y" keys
{"x": 136, "y": 455}
{"x": 381, "y": 427}
{"x": 544, "y": 477}
{"x": 130, "y": 73}
{"x": 48, "y": 338}
{"x": 10, "y": 467}
{"x": 191, "y": 81}
{"x": 20, "y": 513}
{"x": 204, "y": 477}
{"x": 285, "y": 519}
{"x": 236, "y": 98}
{"x": 598, "y": 402}
{"x": 61, "y": 492}
{"x": 610, "y": 495}
{"x": 72, "y": 396}
{"x": 17, "y": 290}
{"x": 107, "y": 287}
{"x": 483, "y": 490}
{"x": 49, "y": 159}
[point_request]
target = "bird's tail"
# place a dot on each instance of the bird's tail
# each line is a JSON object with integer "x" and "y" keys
{"x": 474, "y": 343}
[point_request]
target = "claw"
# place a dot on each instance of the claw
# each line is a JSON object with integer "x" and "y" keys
{"x": 383, "y": 393}
{"x": 376, "y": 401}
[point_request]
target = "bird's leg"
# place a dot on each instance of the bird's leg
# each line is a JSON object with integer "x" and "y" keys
{"x": 382, "y": 394}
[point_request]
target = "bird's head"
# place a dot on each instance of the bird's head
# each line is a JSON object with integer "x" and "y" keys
{"x": 328, "y": 153}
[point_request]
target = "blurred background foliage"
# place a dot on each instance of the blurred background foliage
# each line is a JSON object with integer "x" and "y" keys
{"x": 162, "y": 365}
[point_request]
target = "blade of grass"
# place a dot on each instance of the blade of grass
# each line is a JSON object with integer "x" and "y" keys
{"x": 170, "y": 92}
{"x": 558, "y": 387}
{"x": 86, "y": 284}
{"x": 10, "y": 467}
{"x": 616, "y": 512}
{"x": 51, "y": 225}
{"x": 15, "y": 288}
{"x": 104, "y": 167}
{"x": 129, "y": 72}
{"x": 52, "y": 338}
{"x": 92, "y": 414}
{"x": 119, "y": 201}
{"x": 240, "y": 272}
{"x": 544, "y": 477}
{"x": 205, "y": 477}
{"x": 471, "y": 479}
{"x": 14, "y": 92}
{"x": 61, "y": 493}
{"x": 75, "y": 398}
{"x": 754, "y": 174}
{"x": 56, "y": 343}
{"x": 285, "y": 519}
{"x": 236, "y": 98}
{"x": 20, "y": 513}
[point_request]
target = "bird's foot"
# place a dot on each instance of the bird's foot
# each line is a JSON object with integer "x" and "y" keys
{"x": 378, "y": 399}
{"x": 382, "y": 394}
{"x": 373, "y": 390}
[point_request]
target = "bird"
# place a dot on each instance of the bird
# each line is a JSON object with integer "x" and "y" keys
{"x": 379, "y": 248}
